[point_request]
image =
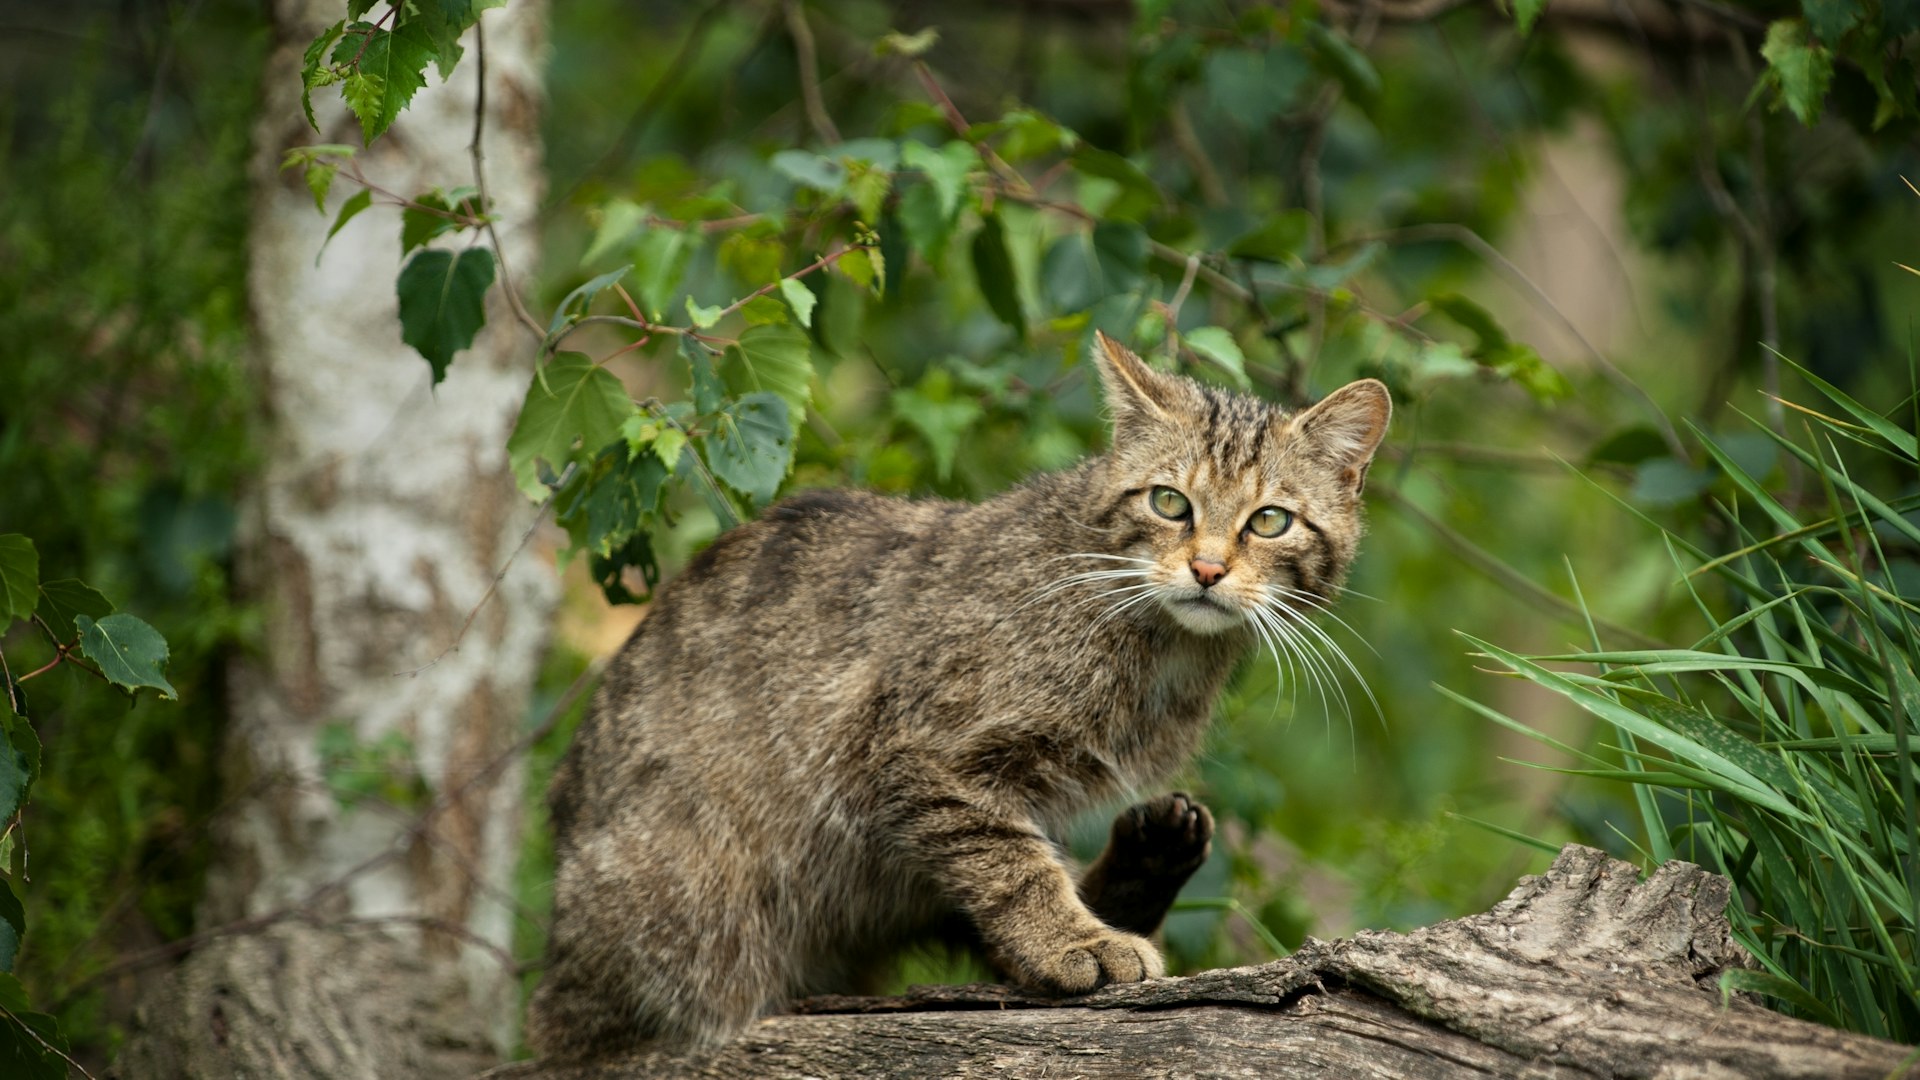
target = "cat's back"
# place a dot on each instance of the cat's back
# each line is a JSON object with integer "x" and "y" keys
{"x": 754, "y": 655}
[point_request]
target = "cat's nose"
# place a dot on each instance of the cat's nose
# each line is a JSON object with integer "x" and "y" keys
{"x": 1207, "y": 572}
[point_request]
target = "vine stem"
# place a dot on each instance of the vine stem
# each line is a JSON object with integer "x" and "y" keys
{"x": 480, "y": 182}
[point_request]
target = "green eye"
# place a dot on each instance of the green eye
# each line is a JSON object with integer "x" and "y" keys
{"x": 1169, "y": 503}
{"x": 1269, "y": 521}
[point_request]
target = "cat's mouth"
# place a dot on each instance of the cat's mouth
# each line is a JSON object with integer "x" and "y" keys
{"x": 1202, "y": 612}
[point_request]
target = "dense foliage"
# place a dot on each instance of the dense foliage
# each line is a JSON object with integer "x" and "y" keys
{"x": 795, "y": 245}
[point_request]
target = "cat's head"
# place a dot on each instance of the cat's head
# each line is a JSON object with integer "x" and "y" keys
{"x": 1222, "y": 504}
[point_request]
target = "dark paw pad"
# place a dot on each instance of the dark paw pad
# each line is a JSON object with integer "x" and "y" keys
{"x": 1166, "y": 836}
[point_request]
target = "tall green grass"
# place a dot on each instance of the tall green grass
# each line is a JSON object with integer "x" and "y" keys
{"x": 1779, "y": 748}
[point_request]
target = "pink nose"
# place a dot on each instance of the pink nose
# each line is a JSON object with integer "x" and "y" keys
{"x": 1207, "y": 572}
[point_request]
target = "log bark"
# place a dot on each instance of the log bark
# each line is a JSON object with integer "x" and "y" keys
{"x": 349, "y": 937}
{"x": 1584, "y": 971}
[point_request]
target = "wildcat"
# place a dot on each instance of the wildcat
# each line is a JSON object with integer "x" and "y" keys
{"x": 855, "y": 722}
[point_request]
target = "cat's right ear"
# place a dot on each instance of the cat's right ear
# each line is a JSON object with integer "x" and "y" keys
{"x": 1136, "y": 394}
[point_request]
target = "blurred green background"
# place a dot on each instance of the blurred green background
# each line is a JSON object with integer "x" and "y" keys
{"x": 1555, "y": 246}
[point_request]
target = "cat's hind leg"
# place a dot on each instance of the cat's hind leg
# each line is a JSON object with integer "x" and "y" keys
{"x": 1154, "y": 847}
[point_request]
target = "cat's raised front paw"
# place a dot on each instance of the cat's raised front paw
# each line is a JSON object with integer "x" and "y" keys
{"x": 1102, "y": 959}
{"x": 1164, "y": 837}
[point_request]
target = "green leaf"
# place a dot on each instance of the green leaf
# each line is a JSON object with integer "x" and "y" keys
{"x": 703, "y": 316}
{"x": 1025, "y": 134}
{"x": 1831, "y": 19}
{"x": 993, "y": 269}
{"x": 668, "y": 445}
{"x": 1471, "y": 317}
{"x": 1526, "y": 13}
{"x": 1800, "y": 68}
{"x": 30, "y": 1042}
{"x": 13, "y": 924}
{"x": 931, "y": 409}
{"x": 392, "y": 68}
{"x": 1348, "y": 65}
{"x": 572, "y": 401}
{"x": 419, "y": 225}
{"x": 800, "y": 299}
{"x": 620, "y": 221}
{"x": 946, "y": 170}
{"x": 867, "y": 187}
{"x": 24, "y": 742}
{"x": 867, "y": 268}
{"x": 619, "y": 498}
{"x": 751, "y": 447}
{"x": 776, "y": 360}
{"x": 16, "y": 771}
{"x": 811, "y": 170}
{"x": 443, "y": 303}
{"x": 1139, "y": 194}
{"x": 1281, "y": 238}
{"x": 130, "y": 653}
{"x": 708, "y": 392}
{"x": 311, "y": 75}
{"x": 1527, "y": 368}
{"x": 659, "y": 260}
{"x": 580, "y": 300}
{"x": 1120, "y": 253}
{"x": 19, "y": 578}
{"x": 320, "y": 181}
{"x": 365, "y": 94}
{"x": 348, "y": 211}
{"x": 1218, "y": 346}
{"x": 65, "y": 598}
{"x": 927, "y": 224}
{"x": 896, "y": 43}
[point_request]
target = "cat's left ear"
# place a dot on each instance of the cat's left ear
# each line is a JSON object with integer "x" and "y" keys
{"x": 1346, "y": 427}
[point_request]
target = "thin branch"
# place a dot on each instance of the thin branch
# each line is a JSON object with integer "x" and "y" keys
{"x": 480, "y": 182}
{"x": 51, "y": 1049}
{"x": 396, "y": 848}
{"x": 649, "y": 107}
{"x": 494, "y": 585}
{"x": 958, "y": 123}
{"x": 1519, "y": 584}
{"x": 1213, "y": 191}
{"x": 1473, "y": 241}
{"x": 809, "y": 64}
{"x": 818, "y": 264}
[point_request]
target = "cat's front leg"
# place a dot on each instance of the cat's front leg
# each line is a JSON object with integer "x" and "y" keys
{"x": 997, "y": 867}
{"x": 1154, "y": 847}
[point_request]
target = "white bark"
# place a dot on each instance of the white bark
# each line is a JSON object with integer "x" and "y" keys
{"x": 384, "y": 511}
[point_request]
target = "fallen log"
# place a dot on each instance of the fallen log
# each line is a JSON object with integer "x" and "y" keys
{"x": 1585, "y": 970}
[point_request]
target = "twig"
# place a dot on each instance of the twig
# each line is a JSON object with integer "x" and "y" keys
{"x": 480, "y": 182}
{"x": 51, "y": 1049}
{"x": 1514, "y": 581}
{"x": 307, "y": 906}
{"x": 653, "y": 406}
{"x": 821, "y": 263}
{"x": 1473, "y": 241}
{"x": 1180, "y": 125}
{"x": 649, "y": 106}
{"x": 492, "y": 586}
{"x": 809, "y": 64}
{"x": 958, "y": 123}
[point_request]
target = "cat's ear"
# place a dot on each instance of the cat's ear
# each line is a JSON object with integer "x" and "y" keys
{"x": 1346, "y": 427}
{"x": 1135, "y": 393}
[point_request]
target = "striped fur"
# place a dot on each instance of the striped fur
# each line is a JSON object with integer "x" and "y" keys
{"x": 858, "y": 722}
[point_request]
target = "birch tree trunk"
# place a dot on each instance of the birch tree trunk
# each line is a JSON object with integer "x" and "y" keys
{"x": 354, "y": 939}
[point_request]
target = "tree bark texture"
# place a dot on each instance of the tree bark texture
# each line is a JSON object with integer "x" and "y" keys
{"x": 1584, "y": 971}
{"x": 373, "y": 939}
